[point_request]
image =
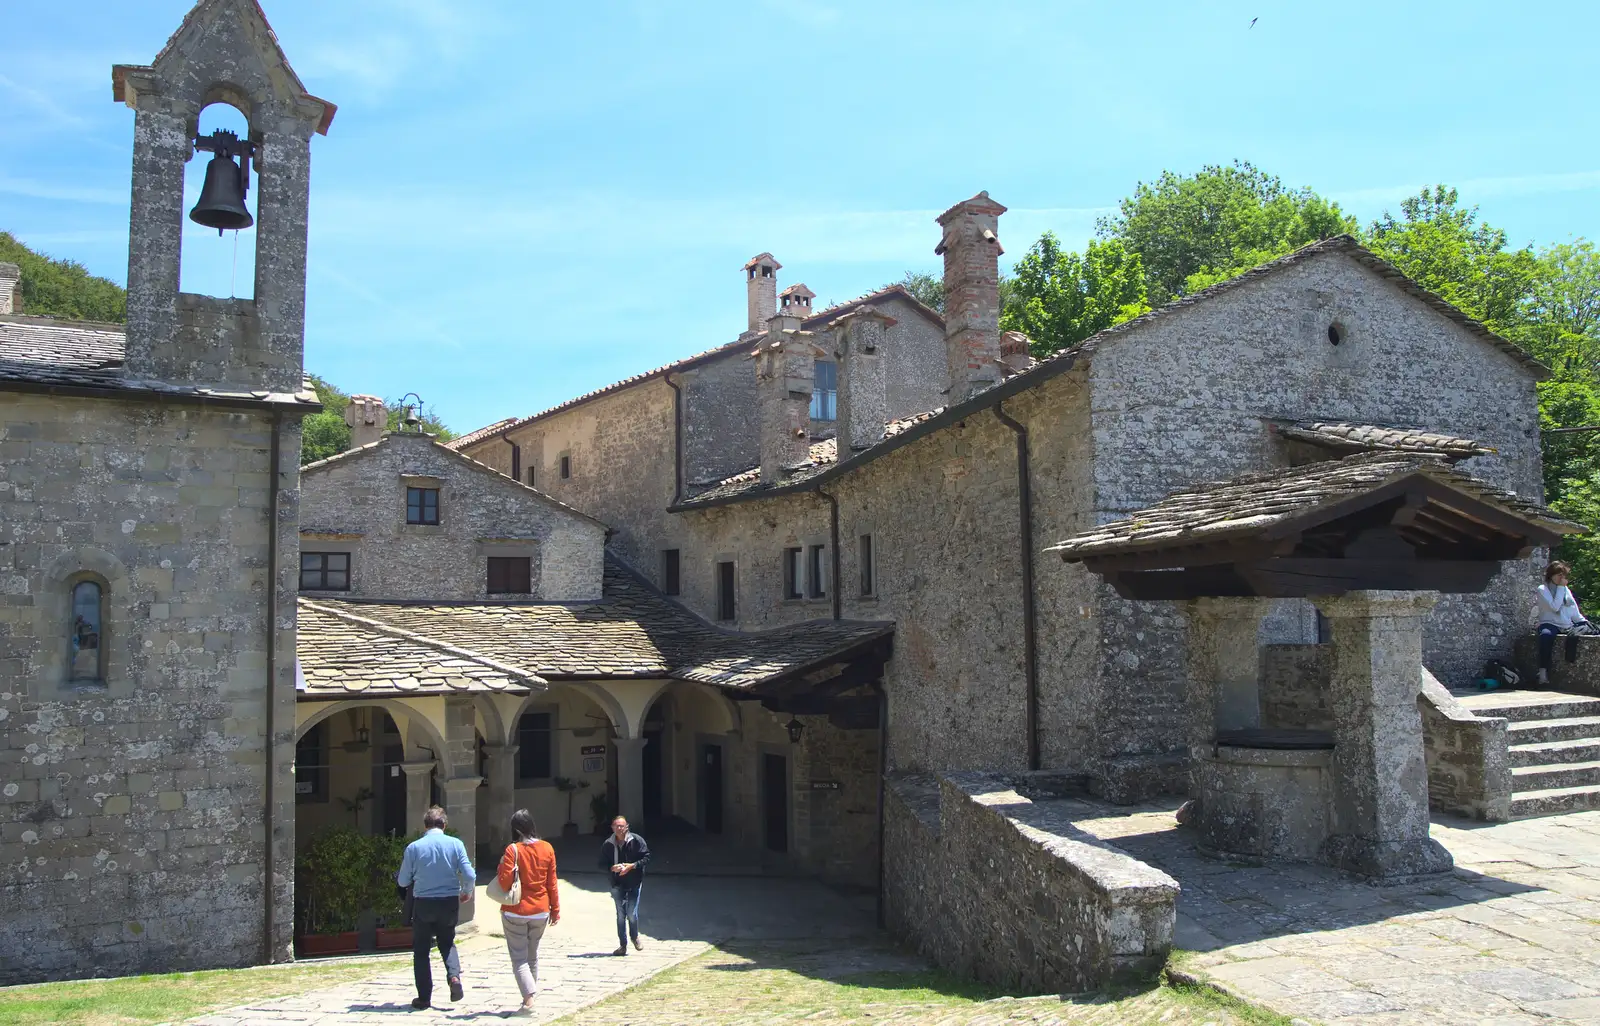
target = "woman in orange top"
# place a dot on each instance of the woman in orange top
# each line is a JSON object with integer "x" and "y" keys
{"x": 534, "y": 862}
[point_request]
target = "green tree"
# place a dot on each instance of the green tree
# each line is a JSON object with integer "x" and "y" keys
{"x": 1572, "y": 467}
{"x": 1563, "y": 308}
{"x": 1446, "y": 249}
{"x": 1058, "y": 298}
{"x": 63, "y": 288}
{"x": 1193, "y": 230}
{"x": 924, "y": 288}
{"x": 326, "y": 434}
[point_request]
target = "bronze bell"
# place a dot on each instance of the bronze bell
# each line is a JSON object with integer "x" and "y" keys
{"x": 221, "y": 205}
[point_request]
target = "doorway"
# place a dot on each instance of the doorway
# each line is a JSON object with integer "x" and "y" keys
{"x": 775, "y": 802}
{"x": 654, "y": 762}
{"x": 711, "y": 788}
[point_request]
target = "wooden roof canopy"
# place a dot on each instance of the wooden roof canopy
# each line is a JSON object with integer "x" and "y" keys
{"x": 1385, "y": 521}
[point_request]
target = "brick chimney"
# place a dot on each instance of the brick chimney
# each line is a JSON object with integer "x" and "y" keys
{"x": 785, "y": 375}
{"x": 971, "y": 251}
{"x": 761, "y": 283}
{"x": 863, "y": 388}
{"x": 367, "y": 419}
{"x": 10, "y": 289}
{"x": 795, "y": 301}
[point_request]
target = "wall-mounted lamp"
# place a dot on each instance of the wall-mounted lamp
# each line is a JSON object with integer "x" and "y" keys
{"x": 795, "y": 729}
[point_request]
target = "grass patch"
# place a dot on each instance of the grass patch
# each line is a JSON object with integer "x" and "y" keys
{"x": 756, "y": 985}
{"x": 140, "y": 1000}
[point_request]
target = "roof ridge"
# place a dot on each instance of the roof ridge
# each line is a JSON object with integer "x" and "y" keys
{"x": 422, "y": 639}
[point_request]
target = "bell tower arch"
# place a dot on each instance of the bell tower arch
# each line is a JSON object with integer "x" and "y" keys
{"x": 224, "y": 51}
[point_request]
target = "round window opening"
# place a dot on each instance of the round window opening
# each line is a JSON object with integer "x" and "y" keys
{"x": 1335, "y": 333}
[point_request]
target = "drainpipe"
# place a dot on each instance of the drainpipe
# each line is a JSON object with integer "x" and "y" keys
{"x": 833, "y": 532}
{"x": 269, "y": 860}
{"x": 883, "y": 770}
{"x": 677, "y": 438}
{"x": 1030, "y": 643}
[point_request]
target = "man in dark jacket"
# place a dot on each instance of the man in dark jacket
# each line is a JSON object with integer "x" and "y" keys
{"x": 624, "y": 855}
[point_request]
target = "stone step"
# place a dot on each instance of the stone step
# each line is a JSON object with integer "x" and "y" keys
{"x": 1585, "y": 749}
{"x": 1554, "y": 775}
{"x": 1564, "y": 729}
{"x": 1522, "y": 706}
{"x": 1555, "y": 799}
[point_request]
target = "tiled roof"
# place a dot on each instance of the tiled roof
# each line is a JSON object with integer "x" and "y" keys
{"x": 816, "y": 320}
{"x": 1247, "y": 505}
{"x": 823, "y": 454}
{"x": 1079, "y": 356}
{"x": 342, "y": 653}
{"x": 46, "y": 354}
{"x": 1354, "y": 437}
{"x": 631, "y": 632}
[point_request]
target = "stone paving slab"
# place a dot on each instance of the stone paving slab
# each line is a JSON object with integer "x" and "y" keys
{"x": 1511, "y": 937}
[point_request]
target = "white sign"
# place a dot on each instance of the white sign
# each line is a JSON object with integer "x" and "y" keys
{"x": 304, "y": 787}
{"x": 594, "y": 765}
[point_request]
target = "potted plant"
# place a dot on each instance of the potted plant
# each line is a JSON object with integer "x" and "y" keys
{"x": 333, "y": 880}
{"x": 384, "y": 897}
{"x": 600, "y": 809}
{"x": 569, "y": 787}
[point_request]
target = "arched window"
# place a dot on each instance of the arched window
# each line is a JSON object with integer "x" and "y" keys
{"x": 87, "y": 661}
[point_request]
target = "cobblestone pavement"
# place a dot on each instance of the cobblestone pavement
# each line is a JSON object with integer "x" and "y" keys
{"x": 681, "y": 917}
{"x": 1511, "y": 938}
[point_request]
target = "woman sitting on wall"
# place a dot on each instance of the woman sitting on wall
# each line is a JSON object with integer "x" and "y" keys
{"x": 1557, "y": 612}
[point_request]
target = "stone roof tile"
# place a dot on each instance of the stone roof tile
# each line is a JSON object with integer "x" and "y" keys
{"x": 1348, "y": 437}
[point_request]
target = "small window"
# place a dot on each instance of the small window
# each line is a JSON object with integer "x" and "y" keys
{"x": 311, "y": 765}
{"x": 670, "y": 582}
{"x": 868, "y": 579}
{"x": 726, "y": 609}
{"x": 1324, "y": 629}
{"x": 535, "y": 747}
{"x": 510, "y": 575}
{"x": 566, "y": 467}
{"x": 324, "y": 571}
{"x": 422, "y": 505}
{"x": 516, "y": 462}
{"x": 816, "y": 574}
{"x": 825, "y": 391}
{"x": 86, "y": 662}
{"x": 791, "y": 573}
{"x": 531, "y": 482}
{"x": 1336, "y": 333}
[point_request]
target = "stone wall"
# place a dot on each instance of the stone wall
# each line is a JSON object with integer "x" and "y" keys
{"x": 1294, "y": 687}
{"x": 131, "y": 816}
{"x": 1469, "y": 763}
{"x": 357, "y": 504}
{"x": 1180, "y": 402}
{"x": 989, "y": 884}
{"x": 1581, "y": 676}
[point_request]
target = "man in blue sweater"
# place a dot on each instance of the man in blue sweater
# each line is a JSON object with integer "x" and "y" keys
{"x": 437, "y": 869}
{"x": 623, "y": 856}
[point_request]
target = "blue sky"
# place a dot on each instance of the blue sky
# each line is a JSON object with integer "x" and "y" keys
{"x": 519, "y": 202}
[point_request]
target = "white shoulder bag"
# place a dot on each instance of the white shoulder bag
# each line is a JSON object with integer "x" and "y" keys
{"x": 514, "y": 895}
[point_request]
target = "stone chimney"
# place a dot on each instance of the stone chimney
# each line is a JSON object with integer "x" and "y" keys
{"x": 795, "y": 301}
{"x": 1015, "y": 353}
{"x": 863, "y": 387}
{"x": 971, "y": 251}
{"x": 367, "y": 419}
{"x": 761, "y": 274}
{"x": 785, "y": 374}
{"x": 10, "y": 289}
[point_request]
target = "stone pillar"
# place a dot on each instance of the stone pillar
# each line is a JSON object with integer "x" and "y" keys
{"x": 785, "y": 377}
{"x": 630, "y": 779}
{"x": 863, "y": 392}
{"x": 1380, "y": 778}
{"x": 1224, "y": 687}
{"x": 461, "y": 805}
{"x": 419, "y": 791}
{"x": 500, "y": 794}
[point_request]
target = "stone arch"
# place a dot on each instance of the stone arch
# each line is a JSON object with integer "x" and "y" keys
{"x": 405, "y": 717}
{"x": 707, "y": 707}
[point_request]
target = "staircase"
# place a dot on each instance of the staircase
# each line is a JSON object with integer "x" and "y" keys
{"x": 1555, "y": 747}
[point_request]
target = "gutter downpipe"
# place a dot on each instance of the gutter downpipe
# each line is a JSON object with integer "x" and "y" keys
{"x": 677, "y": 439}
{"x": 883, "y": 777}
{"x": 833, "y": 531}
{"x": 1030, "y": 643}
{"x": 269, "y": 860}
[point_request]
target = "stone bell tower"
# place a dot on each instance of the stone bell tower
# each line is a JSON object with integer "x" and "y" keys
{"x": 224, "y": 51}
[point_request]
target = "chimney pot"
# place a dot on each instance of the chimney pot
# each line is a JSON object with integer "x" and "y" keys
{"x": 761, "y": 287}
{"x": 367, "y": 419}
{"x": 971, "y": 249}
{"x": 863, "y": 387}
{"x": 10, "y": 289}
{"x": 785, "y": 376}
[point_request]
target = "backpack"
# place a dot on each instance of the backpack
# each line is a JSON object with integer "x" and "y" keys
{"x": 1501, "y": 674}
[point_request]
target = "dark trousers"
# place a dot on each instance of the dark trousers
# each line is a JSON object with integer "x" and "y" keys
{"x": 434, "y": 919}
{"x": 1547, "y": 643}
{"x": 627, "y": 901}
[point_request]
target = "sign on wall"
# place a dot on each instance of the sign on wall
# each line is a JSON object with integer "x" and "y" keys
{"x": 594, "y": 765}
{"x": 824, "y": 785}
{"x": 593, "y": 749}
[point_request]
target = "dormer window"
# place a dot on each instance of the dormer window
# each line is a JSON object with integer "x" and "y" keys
{"x": 422, "y": 505}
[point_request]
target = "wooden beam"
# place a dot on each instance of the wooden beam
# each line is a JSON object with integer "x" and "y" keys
{"x": 1301, "y": 578}
{"x": 1179, "y": 585}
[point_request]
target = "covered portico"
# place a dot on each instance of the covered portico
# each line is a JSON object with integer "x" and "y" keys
{"x": 1372, "y": 541}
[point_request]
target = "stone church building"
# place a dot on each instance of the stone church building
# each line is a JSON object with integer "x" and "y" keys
{"x": 855, "y": 591}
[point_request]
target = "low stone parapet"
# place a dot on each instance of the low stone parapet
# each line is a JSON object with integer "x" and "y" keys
{"x": 1004, "y": 888}
{"x": 1581, "y": 676}
{"x": 1469, "y": 763}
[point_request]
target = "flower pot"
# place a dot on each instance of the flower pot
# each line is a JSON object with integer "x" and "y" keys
{"x": 394, "y": 938}
{"x": 311, "y": 945}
